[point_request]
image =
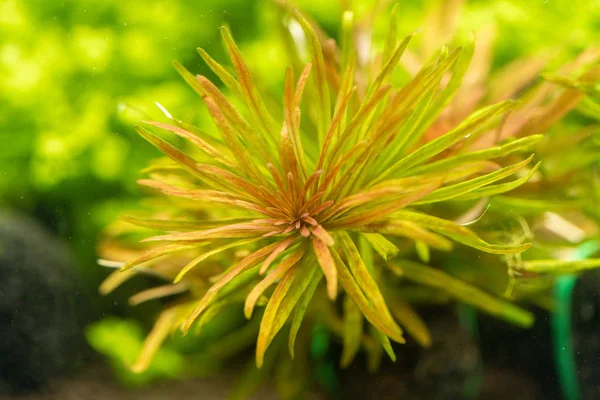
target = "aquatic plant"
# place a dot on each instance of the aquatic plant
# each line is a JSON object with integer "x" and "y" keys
{"x": 288, "y": 202}
{"x": 562, "y": 105}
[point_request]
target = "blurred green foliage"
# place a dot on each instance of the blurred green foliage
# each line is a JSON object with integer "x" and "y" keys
{"x": 76, "y": 76}
{"x": 121, "y": 340}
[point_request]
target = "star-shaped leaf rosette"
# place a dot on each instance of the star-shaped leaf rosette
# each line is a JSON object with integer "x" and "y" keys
{"x": 289, "y": 202}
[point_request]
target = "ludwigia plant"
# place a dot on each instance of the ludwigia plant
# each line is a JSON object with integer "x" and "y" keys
{"x": 558, "y": 204}
{"x": 559, "y": 200}
{"x": 314, "y": 198}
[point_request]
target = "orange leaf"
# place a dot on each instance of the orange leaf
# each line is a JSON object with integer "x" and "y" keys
{"x": 283, "y": 267}
{"x": 243, "y": 266}
{"x": 327, "y": 265}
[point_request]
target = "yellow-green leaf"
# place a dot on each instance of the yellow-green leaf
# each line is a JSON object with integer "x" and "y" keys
{"x": 281, "y": 269}
{"x": 384, "y": 247}
{"x": 467, "y": 187}
{"x": 308, "y": 286}
{"x": 380, "y": 316}
{"x": 411, "y": 321}
{"x": 352, "y": 333}
{"x": 459, "y": 233}
{"x": 558, "y": 267}
{"x": 462, "y": 291}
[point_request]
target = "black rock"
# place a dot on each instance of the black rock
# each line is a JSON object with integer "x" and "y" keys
{"x": 39, "y": 329}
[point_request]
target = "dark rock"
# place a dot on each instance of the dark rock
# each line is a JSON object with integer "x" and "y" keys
{"x": 39, "y": 330}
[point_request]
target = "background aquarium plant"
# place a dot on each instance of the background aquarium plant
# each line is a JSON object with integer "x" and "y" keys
{"x": 363, "y": 198}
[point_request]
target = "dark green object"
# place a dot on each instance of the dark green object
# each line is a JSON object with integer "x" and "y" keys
{"x": 467, "y": 316}
{"x": 326, "y": 370}
{"x": 562, "y": 327}
{"x": 563, "y": 340}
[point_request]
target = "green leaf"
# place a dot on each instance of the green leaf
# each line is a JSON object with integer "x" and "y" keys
{"x": 322, "y": 99}
{"x": 275, "y": 316}
{"x": 352, "y": 332}
{"x": 428, "y": 78}
{"x": 298, "y": 283}
{"x": 172, "y": 152}
{"x": 225, "y": 77}
{"x": 472, "y": 125}
{"x": 244, "y": 266}
{"x": 179, "y": 224}
{"x": 233, "y": 343}
{"x": 449, "y": 163}
{"x": 447, "y": 93}
{"x": 361, "y": 287}
{"x": 415, "y": 232}
{"x": 314, "y": 276}
{"x": 410, "y": 320}
{"x": 462, "y": 291}
{"x": 254, "y": 101}
{"x": 196, "y": 140}
{"x": 387, "y": 346}
{"x": 234, "y": 129}
{"x": 467, "y": 187}
{"x": 277, "y": 273}
{"x": 523, "y": 206}
{"x": 374, "y": 350}
{"x": 392, "y": 34}
{"x": 501, "y": 188}
{"x": 559, "y": 267}
{"x": 189, "y": 78}
{"x": 385, "y": 74}
{"x": 422, "y": 251}
{"x": 384, "y": 247}
{"x": 252, "y": 378}
{"x": 408, "y": 133}
{"x": 459, "y": 233}
{"x": 205, "y": 255}
{"x": 160, "y": 251}
{"x": 347, "y": 40}
{"x": 114, "y": 280}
